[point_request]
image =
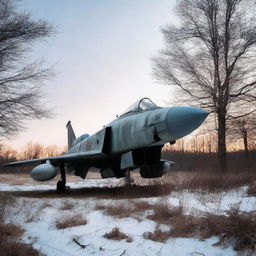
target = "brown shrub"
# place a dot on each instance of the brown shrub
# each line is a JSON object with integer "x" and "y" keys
{"x": 119, "y": 210}
{"x": 251, "y": 191}
{"x": 70, "y": 221}
{"x": 157, "y": 235}
{"x": 125, "y": 209}
{"x": 116, "y": 234}
{"x": 142, "y": 206}
{"x": 129, "y": 240}
{"x": 164, "y": 212}
{"x": 238, "y": 227}
{"x": 186, "y": 226}
{"x": 100, "y": 207}
{"x": 5, "y": 200}
{"x": 67, "y": 206}
{"x": 9, "y": 247}
{"x": 181, "y": 225}
{"x": 11, "y": 230}
{"x": 10, "y": 233}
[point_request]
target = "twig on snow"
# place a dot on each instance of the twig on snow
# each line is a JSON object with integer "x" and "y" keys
{"x": 123, "y": 253}
{"x": 198, "y": 253}
{"x": 81, "y": 245}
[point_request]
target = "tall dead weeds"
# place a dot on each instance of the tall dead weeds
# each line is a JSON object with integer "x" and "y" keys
{"x": 116, "y": 234}
{"x": 70, "y": 221}
{"x": 236, "y": 227}
{"x": 10, "y": 233}
{"x": 157, "y": 235}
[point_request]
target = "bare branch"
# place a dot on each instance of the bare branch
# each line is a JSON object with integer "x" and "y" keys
{"x": 20, "y": 82}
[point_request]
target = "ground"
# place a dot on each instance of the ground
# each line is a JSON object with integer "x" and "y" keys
{"x": 76, "y": 223}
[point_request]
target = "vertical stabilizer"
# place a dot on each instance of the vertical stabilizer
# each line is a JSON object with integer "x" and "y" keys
{"x": 71, "y": 134}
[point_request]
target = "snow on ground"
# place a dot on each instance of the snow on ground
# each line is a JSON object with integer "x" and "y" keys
{"x": 38, "y": 215}
{"x": 217, "y": 203}
{"x": 4, "y": 187}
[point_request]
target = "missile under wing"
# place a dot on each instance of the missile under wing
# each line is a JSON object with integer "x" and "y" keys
{"x": 133, "y": 140}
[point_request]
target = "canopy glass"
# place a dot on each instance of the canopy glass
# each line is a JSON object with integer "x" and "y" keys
{"x": 141, "y": 105}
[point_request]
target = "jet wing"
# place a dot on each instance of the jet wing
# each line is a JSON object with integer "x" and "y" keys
{"x": 55, "y": 160}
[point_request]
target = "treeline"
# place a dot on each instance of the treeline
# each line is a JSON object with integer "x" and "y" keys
{"x": 237, "y": 161}
{"x": 31, "y": 150}
{"x": 197, "y": 153}
{"x": 207, "y": 142}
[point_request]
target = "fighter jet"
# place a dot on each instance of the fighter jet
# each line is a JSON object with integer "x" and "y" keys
{"x": 133, "y": 140}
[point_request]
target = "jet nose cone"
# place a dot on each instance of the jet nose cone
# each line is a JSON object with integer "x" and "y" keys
{"x": 183, "y": 120}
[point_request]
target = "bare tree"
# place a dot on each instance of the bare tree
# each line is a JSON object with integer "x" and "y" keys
{"x": 244, "y": 128}
{"x": 210, "y": 57}
{"x": 32, "y": 151}
{"x": 52, "y": 150}
{"x": 20, "y": 81}
{"x": 7, "y": 153}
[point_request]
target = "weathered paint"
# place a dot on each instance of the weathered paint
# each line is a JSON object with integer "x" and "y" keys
{"x": 92, "y": 143}
{"x": 144, "y": 129}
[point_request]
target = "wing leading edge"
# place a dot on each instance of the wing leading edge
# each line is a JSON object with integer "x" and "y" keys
{"x": 55, "y": 160}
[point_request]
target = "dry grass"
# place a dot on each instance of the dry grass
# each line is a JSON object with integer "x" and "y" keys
{"x": 116, "y": 234}
{"x": 15, "y": 248}
{"x": 198, "y": 161}
{"x": 5, "y": 199}
{"x": 70, "y": 221}
{"x": 67, "y": 206}
{"x": 33, "y": 215}
{"x": 100, "y": 207}
{"x": 9, "y": 242}
{"x": 186, "y": 226}
{"x": 252, "y": 189}
{"x": 119, "y": 210}
{"x": 11, "y": 230}
{"x": 142, "y": 206}
{"x": 207, "y": 182}
{"x": 118, "y": 193}
{"x": 237, "y": 228}
{"x": 157, "y": 235}
{"x": 124, "y": 209}
{"x": 164, "y": 212}
{"x": 11, "y": 233}
{"x": 192, "y": 181}
{"x": 181, "y": 225}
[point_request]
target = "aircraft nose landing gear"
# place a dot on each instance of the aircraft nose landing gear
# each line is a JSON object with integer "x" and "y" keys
{"x": 61, "y": 184}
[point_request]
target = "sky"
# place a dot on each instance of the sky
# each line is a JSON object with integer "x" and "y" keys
{"x": 102, "y": 62}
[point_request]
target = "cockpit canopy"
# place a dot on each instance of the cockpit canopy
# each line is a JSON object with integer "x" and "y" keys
{"x": 141, "y": 105}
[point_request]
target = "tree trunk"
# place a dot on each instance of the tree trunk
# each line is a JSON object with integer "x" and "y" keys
{"x": 222, "y": 151}
{"x": 245, "y": 143}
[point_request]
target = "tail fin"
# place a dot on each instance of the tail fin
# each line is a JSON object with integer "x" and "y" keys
{"x": 71, "y": 134}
